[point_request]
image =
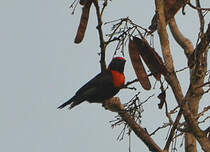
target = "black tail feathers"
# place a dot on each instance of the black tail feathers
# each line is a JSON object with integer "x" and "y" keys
{"x": 65, "y": 104}
{"x": 72, "y": 102}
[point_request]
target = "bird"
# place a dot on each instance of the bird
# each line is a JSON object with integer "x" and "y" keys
{"x": 103, "y": 86}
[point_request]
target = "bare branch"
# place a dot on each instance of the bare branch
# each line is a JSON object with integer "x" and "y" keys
{"x": 170, "y": 9}
{"x": 201, "y": 17}
{"x": 115, "y": 103}
{"x": 184, "y": 42}
{"x": 203, "y": 45}
{"x": 73, "y": 6}
{"x": 130, "y": 82}
{"x": 197, "y": 7}
{"x": 202, "y": 112}
{"x": 182, "y": 69}
{"x": 104, "y": 6}
{"x": 163, "y": 35}
{"x": 170, "y": 138}
{"x": 101, "y": 36}
{"x": 204, "y": 120}
{"x": 204, "y": 84}
{"x": 163, "y": 126}
{"x": 173, "y": 81}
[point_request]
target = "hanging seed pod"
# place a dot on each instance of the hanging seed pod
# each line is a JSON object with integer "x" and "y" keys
{"x": 138, "y": 65}
{"x": 83, "y": 22}
{"x": 151, "y": 58}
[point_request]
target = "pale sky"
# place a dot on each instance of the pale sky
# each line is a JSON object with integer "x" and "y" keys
{"x": 41, "y": 68}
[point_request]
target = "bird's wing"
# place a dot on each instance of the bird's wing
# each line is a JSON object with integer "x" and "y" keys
{"x": 99, "y": 80}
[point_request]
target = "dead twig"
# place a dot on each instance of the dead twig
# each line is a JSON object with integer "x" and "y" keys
{"x": 198, "y": 8}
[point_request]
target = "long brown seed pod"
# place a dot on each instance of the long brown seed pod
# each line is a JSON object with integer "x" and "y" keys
{"x": 83, "y": 22}
{"x": 151, "y": 58}
{"x": 138, "y": 65}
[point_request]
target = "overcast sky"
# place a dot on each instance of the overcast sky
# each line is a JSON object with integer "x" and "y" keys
{"x": 41, "y": 68}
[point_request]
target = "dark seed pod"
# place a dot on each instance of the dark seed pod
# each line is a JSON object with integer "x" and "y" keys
{"x": 83, "y": 22}
{"x": 138, "y": 65}
{"x": 151, "y": 58}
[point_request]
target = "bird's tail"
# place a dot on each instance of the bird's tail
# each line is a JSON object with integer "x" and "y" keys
{"x": 72, "y": 102}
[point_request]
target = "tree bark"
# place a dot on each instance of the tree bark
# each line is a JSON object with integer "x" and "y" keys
{"x": 186, "y": 44}
{"x": 189, "y": 103}
{"x": 190, "y": 143}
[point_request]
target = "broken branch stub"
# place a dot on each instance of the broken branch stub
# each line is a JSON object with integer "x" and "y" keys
{"x": 83, "y": 2}
{"x": 171, "y": 7}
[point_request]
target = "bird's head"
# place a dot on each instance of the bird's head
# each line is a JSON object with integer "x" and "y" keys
{"x": 117, "y": 64}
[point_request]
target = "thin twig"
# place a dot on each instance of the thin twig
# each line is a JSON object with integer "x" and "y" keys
{"x": 163, "y": 126}
{"x": 170, "y": 138}
{"x": 201, "y": 18}
{"x": 204, "y": 120}
{"x": 182, "y": 69}
{"x": 198, "y": 8}
{"x": 130, "y": 82}
{"x": 104, "y": 6}
{"x": 73, "y": 6}
{"x": 202, "y": 112}
{"x": 204, "y": 84}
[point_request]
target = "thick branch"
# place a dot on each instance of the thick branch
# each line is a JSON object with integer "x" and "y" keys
{"x": 195, "y": 92}
{"x": 184, "y": 42}
{"x": 115, "y": 105}
{"x": 171, "y": 8}
{"x": 163, "y": 35}
{"x": 174, "y": 83}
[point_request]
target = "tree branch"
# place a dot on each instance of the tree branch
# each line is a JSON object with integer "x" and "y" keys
{"x": 170, "y": 9}
{"x": 101, "y": 36}
{"x": 174, "y": 83}
{"x": 184, "y": 42}
{"x": 203, "y": 45}
{"x": 115, "y": 105}
{"x": 163, "y": 35}
{"x": 170, "y": 138}
{"x": 198, "y": 8}
{"x": 201, "y": 18}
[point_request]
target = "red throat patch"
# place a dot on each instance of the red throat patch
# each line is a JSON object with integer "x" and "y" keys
{"x": 118, "y": 78}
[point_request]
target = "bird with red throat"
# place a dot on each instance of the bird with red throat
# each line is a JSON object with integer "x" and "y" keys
{"x": 103, "y": 86}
